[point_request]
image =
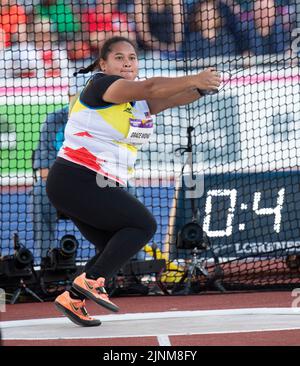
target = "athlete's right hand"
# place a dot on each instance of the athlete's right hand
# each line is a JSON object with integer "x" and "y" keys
{"x": 209, "y": 79}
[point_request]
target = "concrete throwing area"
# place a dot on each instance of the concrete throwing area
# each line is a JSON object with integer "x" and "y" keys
{"x": 157, "y": 324}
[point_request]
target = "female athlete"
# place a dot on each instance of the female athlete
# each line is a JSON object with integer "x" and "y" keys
{"x": 110, "y": 120}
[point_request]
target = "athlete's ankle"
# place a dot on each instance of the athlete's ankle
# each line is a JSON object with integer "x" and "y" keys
{"x": 76, "y": 295}
{"x": 92, "y": 276}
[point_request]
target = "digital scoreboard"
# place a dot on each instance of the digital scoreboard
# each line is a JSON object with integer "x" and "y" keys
{"x": 247, "y": 214}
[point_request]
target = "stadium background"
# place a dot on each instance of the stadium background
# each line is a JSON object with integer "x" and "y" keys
{"x": 246, "y": 138}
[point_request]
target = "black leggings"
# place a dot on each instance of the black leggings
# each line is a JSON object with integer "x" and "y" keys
{"x": 117, "y": 223}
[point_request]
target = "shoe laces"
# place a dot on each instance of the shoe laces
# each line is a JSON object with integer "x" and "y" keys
{"x": 101, "y": 290}
{"x": 101, "y": 281}
{"x": 83, "y": 309}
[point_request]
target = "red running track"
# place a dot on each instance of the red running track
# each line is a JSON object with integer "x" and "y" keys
{"x": 170, "y": 303}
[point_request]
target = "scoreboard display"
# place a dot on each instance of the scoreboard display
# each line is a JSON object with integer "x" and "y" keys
{"x": 247, "y": 214}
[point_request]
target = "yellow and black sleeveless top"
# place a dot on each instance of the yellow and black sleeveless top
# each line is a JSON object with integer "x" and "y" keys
{"x": 105, "y": 137}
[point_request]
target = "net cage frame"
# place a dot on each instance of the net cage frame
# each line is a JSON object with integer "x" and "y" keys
{"x": 245, "y": 146}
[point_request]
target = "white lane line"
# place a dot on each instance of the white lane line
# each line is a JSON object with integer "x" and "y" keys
{"x": 163, "y": 340}
{"x": 156, "y": 315}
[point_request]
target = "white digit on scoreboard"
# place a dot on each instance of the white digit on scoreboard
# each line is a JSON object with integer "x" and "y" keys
{"x": 232, "y": 194}
{"x": 269, "y": 210}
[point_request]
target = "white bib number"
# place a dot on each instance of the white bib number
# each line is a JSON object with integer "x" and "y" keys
{"x": 139, "y": 131}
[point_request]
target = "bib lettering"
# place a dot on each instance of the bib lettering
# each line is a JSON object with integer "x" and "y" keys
{"x": 140, "y": 131}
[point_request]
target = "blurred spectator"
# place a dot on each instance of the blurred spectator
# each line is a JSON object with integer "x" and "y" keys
{"x": 209, "y": 31}
{"x": 266, "y": 31}
{"x": 12, "y": 20}
{"x": 29, "y": 5}
{"x": 55, "y": 59}
{"x": 66, "y": 23}
{"x": 20, "y": 59}
{"x": 61, "y": 15}
{"x": 265, "y": 28}
{"x": 159, "y": 24}
{"x": 39, "y": 57}
{"x": 79, "y": 49}
{"x": 126, "y": 6}
{"x": 104, "y": 21}
{"x": 288, "y": 14}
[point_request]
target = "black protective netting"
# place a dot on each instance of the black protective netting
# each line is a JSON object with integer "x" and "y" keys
{"x": 244, "y": 140}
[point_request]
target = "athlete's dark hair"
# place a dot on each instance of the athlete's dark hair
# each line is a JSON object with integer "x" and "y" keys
{"x": 105, "y": 50}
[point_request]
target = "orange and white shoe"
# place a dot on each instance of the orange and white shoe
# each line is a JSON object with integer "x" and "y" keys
{"x": 94, "y": 290}
{"x": 75, "y": 310}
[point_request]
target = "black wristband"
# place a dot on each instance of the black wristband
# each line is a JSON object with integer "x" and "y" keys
{"x": 201, "y": 92}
